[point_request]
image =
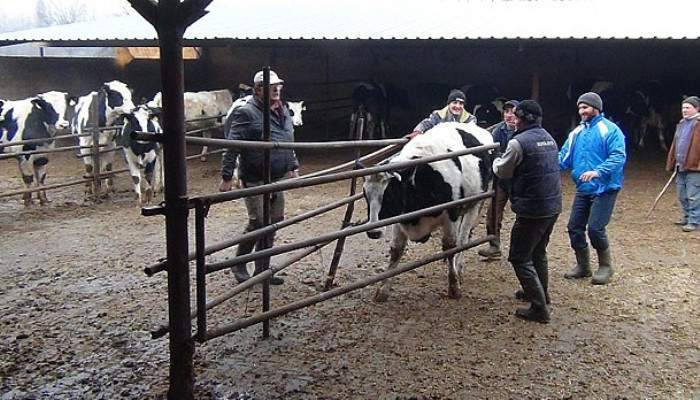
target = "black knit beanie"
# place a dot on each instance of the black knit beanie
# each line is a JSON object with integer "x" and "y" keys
{"x": 456, "y": 94}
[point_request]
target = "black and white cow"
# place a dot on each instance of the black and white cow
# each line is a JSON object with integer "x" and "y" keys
{"x": 145, "y": 159}
{"x": 208, "y": 103}
{"x": 393, "y": 193}
{"x": 483, "y": 102}
{"x": 113, "y": 102}
{"x": 37, "y": 117}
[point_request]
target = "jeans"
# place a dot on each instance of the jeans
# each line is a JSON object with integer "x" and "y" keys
{"x": 688, "y": 185}
{"x": 592, "y": 211}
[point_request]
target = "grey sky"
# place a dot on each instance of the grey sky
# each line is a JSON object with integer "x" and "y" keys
{"x": 27, "y": 14}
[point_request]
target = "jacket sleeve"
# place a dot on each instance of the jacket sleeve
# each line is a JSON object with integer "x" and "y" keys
{"x": 240, "y": 123}
{"x": 616, "y": 155}
{"x": 565, "y": 154}
{"x": 428, "y": 123}
{"x": 504, "y": 167}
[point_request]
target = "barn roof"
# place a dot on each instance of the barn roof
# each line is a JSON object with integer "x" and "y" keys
{"x": 382, "y": 20}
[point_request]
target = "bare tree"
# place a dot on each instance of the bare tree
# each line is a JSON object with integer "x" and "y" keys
{"x": 59, "y": 12}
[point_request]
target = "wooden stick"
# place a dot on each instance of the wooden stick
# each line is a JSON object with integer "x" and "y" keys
{"x": 656, "y": 201}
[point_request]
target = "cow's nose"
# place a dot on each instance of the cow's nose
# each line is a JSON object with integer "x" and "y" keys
{"x": 374, "y": 234}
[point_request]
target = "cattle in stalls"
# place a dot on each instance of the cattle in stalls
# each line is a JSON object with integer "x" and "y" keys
{"x": 375, "y": 102}
{"x": 144, "y": 158}
{"x": 199, "y": 106}
{"x": 296, "y": 108}
{"x": 113, "y": 102}
{"x": 39, "y": 117}
{"x": 647, "y": 102}
{"x": 484, "y": 103}
{"x": 393, "y": 193}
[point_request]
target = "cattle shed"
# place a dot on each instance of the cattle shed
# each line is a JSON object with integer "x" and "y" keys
{"x": 524, "y": 49}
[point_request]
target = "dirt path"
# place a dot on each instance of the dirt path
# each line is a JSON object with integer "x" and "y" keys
{"x": 76, "y": 309}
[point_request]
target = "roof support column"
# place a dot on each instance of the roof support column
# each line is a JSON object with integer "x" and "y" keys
{"x": 171, "y": 18}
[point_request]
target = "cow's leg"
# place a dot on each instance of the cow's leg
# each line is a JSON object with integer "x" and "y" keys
{"x": 396, "y": 250}
{"x": 90, "y": 188}
{"x": 109, "y": 181}
{"x": 353, "y": 126}
{"x": 25, "y": 168}
{"x": 449, "y": 241}
{"x": 40, "y": 175}
{"x": 369, "y": 123}
{"x": 158, "y": 172}
{"x": 148, "y": 172}
{"x": 135, "y": 172}
{"x": 205, "y": 149}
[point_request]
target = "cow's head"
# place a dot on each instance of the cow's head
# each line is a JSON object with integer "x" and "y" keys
{"x": 60, "y": 103}
{"x": 44, "y": 111}
{"x": 118, "y": 99}
{"x": 295, "y": 110}
{"x": 141, "y": 120}
{"x": 383, "y": 193}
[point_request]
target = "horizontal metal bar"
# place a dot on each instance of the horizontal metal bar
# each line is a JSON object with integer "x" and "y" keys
{"x": 305, "y": 182}
{"x": 335, "y": 292}
{"x": 162, "y": 265}
{"x": 164, "y": 328}
{"x": 45, "y": 187}
{"x": 217, "y": 266}
{"x": 101, "y": 151}
{"x": 256, "y": 144}
{"x": 371, "y": 156}
{"x": 193, "y": 156}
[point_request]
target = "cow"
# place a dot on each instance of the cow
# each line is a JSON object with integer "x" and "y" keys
{"x": 199, "y": 105}
{"x": 144, "y": 159}
{"x": 393, "y": 193}
{"x": 483, "y": 102}
{"x": 295, "y": 111}
{"x": 113, "y": 102}
{"x": 375, "y": 101}
{"x": 39, "y": 117}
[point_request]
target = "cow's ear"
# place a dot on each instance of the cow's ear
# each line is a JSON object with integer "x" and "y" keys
{"x": 72, "y": 101}
{"x": 396, "y": 175}
{"x": 104, "y": 88}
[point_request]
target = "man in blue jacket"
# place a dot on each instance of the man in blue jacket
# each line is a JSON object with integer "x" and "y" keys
{"x": 595, "y": 153}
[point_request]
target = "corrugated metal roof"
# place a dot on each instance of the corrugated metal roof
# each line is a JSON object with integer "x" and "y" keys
{"x": 377, "y": 19}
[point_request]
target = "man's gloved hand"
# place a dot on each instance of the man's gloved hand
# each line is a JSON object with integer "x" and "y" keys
{"x": 413, "y": 134}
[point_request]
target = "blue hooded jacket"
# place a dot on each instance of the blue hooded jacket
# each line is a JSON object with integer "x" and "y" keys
{"x": 598, "y": 145}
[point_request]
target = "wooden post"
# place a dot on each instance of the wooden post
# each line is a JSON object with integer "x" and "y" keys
{"x": 95, "y": 132}
{"x": 170, "y": 18}
{"x": 535, "y": 91}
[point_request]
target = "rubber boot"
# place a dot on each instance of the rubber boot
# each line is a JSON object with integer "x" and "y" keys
{"x": 605, "y": 270}
{"x": 240, "y": 271}
{"x": 542, "y": 268}
{"x": 259, "y": 268}
{"x": 538, "y": 312}
{"x": 583, "y": 264}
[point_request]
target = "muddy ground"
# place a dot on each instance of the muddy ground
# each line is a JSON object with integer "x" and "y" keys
{"x": 76, "y": 308}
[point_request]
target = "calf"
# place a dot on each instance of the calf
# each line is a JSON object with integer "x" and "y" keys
{"x": 144, "y": 158}
{"x": 213, "y": 103}
{"x": 38, "y": 117}
{"x": 393, "y": 193}
{"x": 113, "y": 102}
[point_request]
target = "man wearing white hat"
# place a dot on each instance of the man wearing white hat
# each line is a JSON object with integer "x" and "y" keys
{"x": 246, "y": 123}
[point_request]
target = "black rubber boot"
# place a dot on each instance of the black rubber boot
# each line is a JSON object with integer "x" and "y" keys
{"x": 583, "y": 264}
{"x": 605, "y": 270}
{"x": 542, "y": 269}
{"x": 529, "y": 280}
{"x": 240, "y": 271}
{"x": 493, "y": 252}
{"x": 259, "y": 268}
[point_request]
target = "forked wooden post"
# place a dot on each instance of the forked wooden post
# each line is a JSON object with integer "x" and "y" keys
{"x": 171, "y": 18}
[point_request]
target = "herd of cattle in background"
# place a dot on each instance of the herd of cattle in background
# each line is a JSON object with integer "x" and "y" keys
{"x": 646, "y": 112}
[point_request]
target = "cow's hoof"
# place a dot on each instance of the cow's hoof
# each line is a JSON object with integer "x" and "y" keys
{"x": 381, "y": 296}
{"x": 454, "y": 293}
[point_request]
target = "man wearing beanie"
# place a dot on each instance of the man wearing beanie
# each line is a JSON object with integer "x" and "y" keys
{"x": 684, "y": 156}
{"x": 502, "y": 133}
{"x": 453, "y": 112}
{"x": 530, "y": 162}
{"x": 595, "y": 153}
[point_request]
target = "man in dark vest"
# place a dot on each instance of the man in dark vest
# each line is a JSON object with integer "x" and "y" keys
{"x": 531, "y": 163}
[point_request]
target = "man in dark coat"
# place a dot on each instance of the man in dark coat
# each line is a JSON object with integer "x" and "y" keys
{"x": 246, "y": 123}
{"x": 532, "y": 165}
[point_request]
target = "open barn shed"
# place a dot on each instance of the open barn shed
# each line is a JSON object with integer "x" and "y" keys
{"x": 545, "y": 50}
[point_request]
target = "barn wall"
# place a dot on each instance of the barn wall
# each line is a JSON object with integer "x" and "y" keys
{"x": 321, "y": 71}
